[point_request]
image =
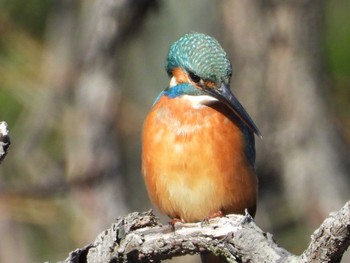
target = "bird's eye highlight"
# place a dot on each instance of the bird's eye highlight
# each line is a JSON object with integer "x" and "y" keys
{"x": 194, "y": 77}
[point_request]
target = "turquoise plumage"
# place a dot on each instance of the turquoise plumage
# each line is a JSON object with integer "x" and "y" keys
{"x": 202, "y": 55}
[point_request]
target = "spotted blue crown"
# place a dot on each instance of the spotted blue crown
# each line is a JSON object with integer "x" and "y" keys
{"x": 201, "y": 55}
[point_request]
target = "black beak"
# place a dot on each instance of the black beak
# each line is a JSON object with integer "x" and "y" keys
{"x": 225, "y": 95}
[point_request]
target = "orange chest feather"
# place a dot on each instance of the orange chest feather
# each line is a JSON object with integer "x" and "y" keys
{"x": 191, "y": 140}
{"x": 177, "y": 119}
{"x": 193, "y": 161}
{"x": 181, "y": 119}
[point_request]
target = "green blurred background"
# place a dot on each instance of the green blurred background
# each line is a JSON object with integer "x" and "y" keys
{"x": 47, "y": 208}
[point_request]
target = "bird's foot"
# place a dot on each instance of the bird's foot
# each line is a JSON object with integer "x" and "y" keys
{"x": 214, "y": 215}
{"x": 173, "y": 221}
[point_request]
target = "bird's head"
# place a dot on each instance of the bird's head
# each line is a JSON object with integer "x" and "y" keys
{"x": 199, "y": 65}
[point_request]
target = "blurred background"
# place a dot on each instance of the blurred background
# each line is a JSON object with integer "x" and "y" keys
{"x": 78, "y": 77}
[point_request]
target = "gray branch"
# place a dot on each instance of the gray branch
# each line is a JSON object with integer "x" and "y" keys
{"x": 4, "y": 140}
{"x": 139, "y": 237}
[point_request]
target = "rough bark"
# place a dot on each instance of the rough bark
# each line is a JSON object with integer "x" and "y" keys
{"x": 138, "y": 237}
{"x": 4, "y": 140}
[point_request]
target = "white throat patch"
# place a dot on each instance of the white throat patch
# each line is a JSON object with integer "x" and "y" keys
{"x": 199, "y": 101}
{"x": 173, "y": 82}
{"x": 196, "y": 101}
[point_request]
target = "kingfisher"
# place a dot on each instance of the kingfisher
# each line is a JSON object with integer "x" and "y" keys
{"x": 198, "y": 147}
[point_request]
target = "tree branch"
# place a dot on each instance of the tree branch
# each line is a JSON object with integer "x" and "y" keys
{"x": 138, "y": 237}
{"x": 331, "y": 239}
{"x": 4, "y": 140}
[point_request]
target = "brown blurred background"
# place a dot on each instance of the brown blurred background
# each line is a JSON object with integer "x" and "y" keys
{"x": 78, "y": 77}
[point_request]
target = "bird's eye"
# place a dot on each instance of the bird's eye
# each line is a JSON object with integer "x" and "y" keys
{"x": 194, "y": 77}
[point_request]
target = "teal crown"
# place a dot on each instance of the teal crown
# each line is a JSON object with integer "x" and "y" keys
{"x": 201, "y": 55}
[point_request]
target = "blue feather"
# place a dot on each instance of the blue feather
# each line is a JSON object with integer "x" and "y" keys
{"x": 178, "y": 90}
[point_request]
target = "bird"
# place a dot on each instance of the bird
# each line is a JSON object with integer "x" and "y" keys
{"x": 198, "y": 141}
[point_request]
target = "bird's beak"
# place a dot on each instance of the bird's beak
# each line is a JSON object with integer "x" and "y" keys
{"x": 225, "y": 95}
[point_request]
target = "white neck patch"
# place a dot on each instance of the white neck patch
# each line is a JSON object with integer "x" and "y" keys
{"x": 173, "y": 82}
{"x": 199, "y": 101}
{"x": 196, "y": 101}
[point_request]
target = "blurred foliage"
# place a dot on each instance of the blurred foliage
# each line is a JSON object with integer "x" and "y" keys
{"x": 338, "y": 36}
{"x": 37, "y": 218}
{"x": 30, "y": 15}
{"x": 20, "y": 67}
{"x": 337, "y": 44}
{"x": 22, "y": 47}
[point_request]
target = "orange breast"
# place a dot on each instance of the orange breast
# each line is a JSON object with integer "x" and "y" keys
{"x": 194, "y": 163}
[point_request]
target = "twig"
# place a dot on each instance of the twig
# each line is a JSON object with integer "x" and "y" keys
{"x": 4, "y": 140}
{"x": 331, "y": 239}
